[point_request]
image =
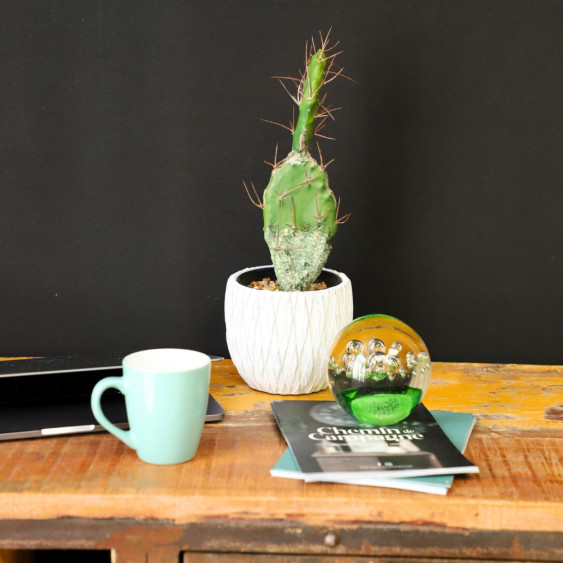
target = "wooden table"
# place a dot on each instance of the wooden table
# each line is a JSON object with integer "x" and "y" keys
{"x": 91, "y": 491}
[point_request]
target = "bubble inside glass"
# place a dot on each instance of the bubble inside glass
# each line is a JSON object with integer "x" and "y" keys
{"x": 378, "y": 369}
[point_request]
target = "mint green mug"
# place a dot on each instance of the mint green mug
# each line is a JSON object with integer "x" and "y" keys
{"x": 166, "y": 392}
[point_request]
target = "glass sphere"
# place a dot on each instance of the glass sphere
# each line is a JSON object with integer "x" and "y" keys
{"x": 378, "y": 369}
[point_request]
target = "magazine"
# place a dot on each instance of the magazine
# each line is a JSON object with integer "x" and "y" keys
{"x": 456, "y": 425}
{"x": 328, "y": 443}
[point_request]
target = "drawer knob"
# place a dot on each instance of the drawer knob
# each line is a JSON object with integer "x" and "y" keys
{"x": 331, "y": 540}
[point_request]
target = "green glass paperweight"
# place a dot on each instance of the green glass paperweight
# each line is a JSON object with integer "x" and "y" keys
{"x": 378, "y": 369}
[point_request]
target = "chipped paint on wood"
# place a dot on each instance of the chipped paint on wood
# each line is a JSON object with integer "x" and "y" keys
{"x": 554, "y": 413}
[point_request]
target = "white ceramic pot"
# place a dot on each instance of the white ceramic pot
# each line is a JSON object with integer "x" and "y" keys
{"x": 278, "y": 340}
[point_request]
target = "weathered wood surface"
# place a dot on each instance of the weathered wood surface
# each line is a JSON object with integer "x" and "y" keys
{"x": 516, "y": 443}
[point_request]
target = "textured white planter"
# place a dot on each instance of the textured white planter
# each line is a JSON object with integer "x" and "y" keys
{"x": 278, "y": 340}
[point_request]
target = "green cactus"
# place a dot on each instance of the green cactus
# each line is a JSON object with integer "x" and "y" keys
{"x": 299, "y": 208}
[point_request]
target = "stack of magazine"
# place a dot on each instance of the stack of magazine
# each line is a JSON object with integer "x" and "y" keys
{"x": 421, "y": 453}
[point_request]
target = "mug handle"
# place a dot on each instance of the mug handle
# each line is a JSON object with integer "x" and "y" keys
{"x": 116, "y": 383}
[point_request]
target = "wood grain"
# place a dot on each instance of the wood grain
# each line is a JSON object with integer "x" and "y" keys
{"x": 516, "y": 443}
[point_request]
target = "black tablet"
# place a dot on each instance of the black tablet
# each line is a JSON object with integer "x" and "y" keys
{"x": 50, "y": 396}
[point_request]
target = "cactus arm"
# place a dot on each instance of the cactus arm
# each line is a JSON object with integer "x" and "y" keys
{"x": 304, "y": 129}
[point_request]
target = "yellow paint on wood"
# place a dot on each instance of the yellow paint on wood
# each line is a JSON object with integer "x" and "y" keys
{"x": 500, "y": 396}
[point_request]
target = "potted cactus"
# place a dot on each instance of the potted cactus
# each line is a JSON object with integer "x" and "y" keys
{"x": 278, "y": 339}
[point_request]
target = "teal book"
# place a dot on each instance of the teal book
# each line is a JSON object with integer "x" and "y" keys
{"x": 456, "y": 427}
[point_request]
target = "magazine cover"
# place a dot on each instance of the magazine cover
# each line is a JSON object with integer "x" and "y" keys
{"x": 456, "y": 425}
{"x": 327, "y": 441}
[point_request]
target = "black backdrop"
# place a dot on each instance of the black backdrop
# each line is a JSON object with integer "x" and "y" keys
{"x": 128, "y": 127}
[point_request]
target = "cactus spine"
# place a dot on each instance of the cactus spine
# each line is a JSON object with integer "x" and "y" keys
{"x": 299, "y": 208}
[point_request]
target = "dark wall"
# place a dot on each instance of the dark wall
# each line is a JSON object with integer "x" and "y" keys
{"x": 128, "y": 127}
